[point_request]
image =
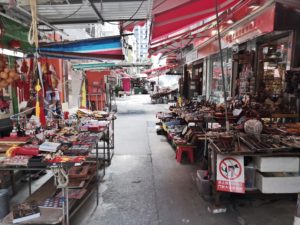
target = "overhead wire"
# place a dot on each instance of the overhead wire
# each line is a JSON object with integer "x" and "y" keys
{"x": 73, "y": 13}
{"x": 138, "y": 9}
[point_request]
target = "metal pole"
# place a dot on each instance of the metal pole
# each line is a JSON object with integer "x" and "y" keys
{"x": 104, "y": 151}
{"x": 108, "y": 145}
{"x": 29, "y": 179}
{"x": 97, "y": 172}
{"x": 110, "y": 95}
{"x": 64, "y": 206}
{"x": 158, "y": 83}
{"x": 222, "y": 65}
{"x": 297, "y": 216}
{"x": 67, "y": 205}
{"x": 113, "y": 130}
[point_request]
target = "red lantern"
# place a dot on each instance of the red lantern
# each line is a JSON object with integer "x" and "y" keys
{"x": 15, "y": 44}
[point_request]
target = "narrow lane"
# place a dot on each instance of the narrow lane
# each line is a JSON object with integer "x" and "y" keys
{"x": 144, "y": 184}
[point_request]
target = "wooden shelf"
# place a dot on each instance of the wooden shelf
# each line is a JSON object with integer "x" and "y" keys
{"x": 52, "y": 215}
{"x": 48, "y": 215}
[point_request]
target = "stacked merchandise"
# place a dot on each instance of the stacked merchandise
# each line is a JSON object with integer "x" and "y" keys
{"x": 65, "y": 151}
{"x": 25, "y": 211}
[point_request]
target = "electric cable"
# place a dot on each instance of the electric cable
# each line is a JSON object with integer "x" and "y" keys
{"x": 138, "y": 9}
{"x": 72, "y": 14}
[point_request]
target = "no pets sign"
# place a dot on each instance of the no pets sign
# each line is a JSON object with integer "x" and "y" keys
{"x": 230, "y": 174}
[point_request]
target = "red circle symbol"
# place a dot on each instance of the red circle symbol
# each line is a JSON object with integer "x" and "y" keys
{"x": 230, "y": 168}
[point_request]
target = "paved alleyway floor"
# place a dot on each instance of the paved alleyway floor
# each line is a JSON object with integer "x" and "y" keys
{"x": 145, "y": 185}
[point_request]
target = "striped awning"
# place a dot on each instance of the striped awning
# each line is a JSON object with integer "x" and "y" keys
{"x": 101, "y": 48}
{"x": 169, "y": 18}
{"x": 129, "y": 25}
{"x": 158, "y": 69}
{"x": 178, "y": 41}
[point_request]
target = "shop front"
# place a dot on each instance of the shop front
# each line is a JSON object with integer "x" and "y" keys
{"x": 261, "y": 71}
{"x": 216, "y": 92}
{"x": 257, "y": 53}
{"x": 193, "y": 75}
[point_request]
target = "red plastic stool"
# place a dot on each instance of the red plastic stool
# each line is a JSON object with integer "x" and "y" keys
{"x": 185, "y": 148}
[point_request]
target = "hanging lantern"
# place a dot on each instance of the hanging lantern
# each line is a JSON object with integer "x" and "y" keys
{"x": 1, "y": 30}
{"x": 15, "y": 44}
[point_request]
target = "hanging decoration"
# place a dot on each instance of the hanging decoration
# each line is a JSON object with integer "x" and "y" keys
{"x": 4, "y": 105}
{"x": 23, "y": 83}
{"x": 7, "y": 77}
{"x": 15, "y": 44}
{"x": 49, "y": 77}
{"x": 83, "y": 94}
{"x": 39, "y": 107}
{"x": 33, "y": 31}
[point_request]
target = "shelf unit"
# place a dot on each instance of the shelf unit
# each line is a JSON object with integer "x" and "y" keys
{"x": 61, "y": 216}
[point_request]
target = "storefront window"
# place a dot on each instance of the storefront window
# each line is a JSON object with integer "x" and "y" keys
{"x": 216, "y": 84}
{"x": 272, "y": 68}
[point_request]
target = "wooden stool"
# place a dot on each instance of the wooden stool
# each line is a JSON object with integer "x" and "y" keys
{"x": 185, "y": 148}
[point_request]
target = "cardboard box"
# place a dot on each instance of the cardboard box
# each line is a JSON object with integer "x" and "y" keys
{"x": 277, "y": 164}
{"x": 278, "y": 183}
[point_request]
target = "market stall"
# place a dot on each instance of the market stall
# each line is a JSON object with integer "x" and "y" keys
{"x": 74, "y": 153}
{"x": 259, "y": 153}
{"x": 41, "y": 135}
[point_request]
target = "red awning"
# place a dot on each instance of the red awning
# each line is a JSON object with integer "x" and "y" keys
{"x": 167, "y": 20}
{"x": 179, "y": 41}
{"x": 129, "y": 26}
{"x": 124, "y": 75}
{"x": 162, "y": 68}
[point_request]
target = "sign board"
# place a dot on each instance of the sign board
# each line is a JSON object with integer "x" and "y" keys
{"x": 191, "y": 56}
{"x": 110, "y": 80}
{"x": 260, "y": 25}
{"x": 230, "y": 174}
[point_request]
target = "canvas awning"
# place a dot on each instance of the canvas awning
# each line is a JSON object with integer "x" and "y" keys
{"x": 101, "y": 48}
{"x": 162, "y": 68}
{"x": 91, "y": 66}
{"x": 129, "y": 25}
{"x": 125, "y": 75}
{"x": 178, "y": 41}
{"x": 167, "y": 19}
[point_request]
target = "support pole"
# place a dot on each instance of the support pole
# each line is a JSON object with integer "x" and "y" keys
{"x": 222, "y": 65}
{"x": 297, "y": 216}
{"x": 101, "y": 20}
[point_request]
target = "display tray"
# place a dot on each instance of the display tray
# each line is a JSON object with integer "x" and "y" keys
{"x": 246, "y": 151}
{"x": 14, "y": 140}
{"x": 4, "y": 147}
{"x": 51, "y": 216}
{"x": 268, "y": 145}
{"x": 48, "y": 216}
{"x": 66, "y": 161}
{"x": 238, "y": 149}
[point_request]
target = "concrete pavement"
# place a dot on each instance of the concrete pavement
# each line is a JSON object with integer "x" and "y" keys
{"x": 146, "y": 186}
